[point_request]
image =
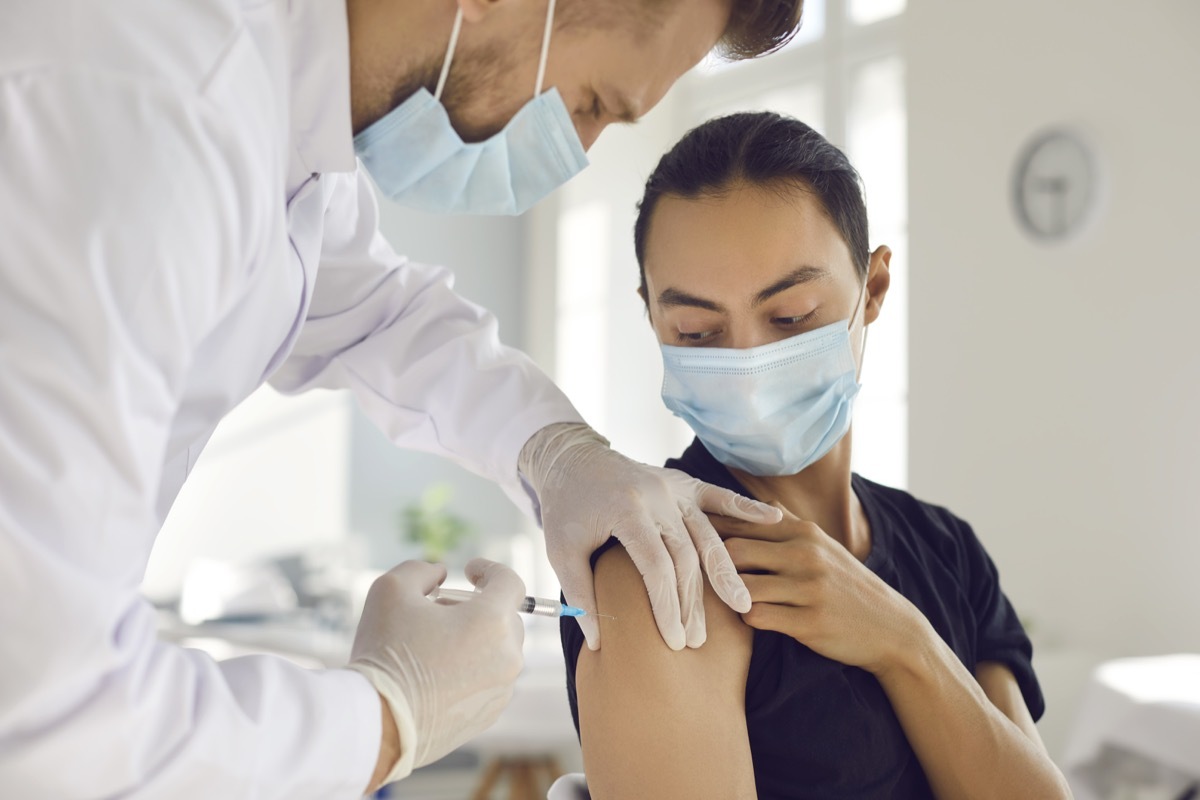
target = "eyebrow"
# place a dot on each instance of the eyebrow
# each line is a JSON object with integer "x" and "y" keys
{"x": 800, "y": 275}
{"x": 805, "y": 274}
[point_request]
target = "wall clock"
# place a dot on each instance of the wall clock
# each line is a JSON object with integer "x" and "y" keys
{"x": 1055, "y": 185}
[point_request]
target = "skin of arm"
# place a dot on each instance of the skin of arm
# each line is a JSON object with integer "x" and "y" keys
{"x": 660, "y": 723}
{"x": 972, "y": 734}
{"x": 389, "y": 747}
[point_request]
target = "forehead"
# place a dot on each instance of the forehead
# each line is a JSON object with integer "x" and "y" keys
{"x": 740, "y": 240}
{"x": 638, "y": 59}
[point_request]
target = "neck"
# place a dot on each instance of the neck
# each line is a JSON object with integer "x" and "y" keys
{"x": 395, "y": 49}
{"x": 820, "y": 494}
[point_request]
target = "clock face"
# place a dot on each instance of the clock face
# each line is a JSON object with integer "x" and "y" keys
{"x": 1054, "y": 186}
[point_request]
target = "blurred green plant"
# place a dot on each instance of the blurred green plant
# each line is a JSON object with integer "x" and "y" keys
{"x": 430, "y": 524}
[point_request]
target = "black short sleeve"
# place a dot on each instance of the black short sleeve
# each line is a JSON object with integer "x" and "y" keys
{"x": 1001, "y": 637}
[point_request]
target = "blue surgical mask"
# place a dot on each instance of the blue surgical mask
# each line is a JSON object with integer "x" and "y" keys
{"x": 769, "y": 410}
{"x": 417, "y": 158}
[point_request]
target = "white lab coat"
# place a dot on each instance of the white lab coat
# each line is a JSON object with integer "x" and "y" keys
{"x": 182, "y": 217}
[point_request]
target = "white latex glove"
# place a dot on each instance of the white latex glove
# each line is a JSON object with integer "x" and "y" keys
{"x": 588, "y": 492}
{"x": 446, "y": 671}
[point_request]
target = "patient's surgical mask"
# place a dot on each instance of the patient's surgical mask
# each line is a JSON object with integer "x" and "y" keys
{"x": 417, "y": 158}
{"x": 768, "y": 410}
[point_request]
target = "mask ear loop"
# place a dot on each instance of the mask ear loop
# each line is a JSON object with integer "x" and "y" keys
{"x": 541, "y": 73}
{"x": 441, "y": 84}
{"x": 862, "y": 353}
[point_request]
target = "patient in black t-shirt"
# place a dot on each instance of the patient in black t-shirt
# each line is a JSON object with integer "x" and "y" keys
{"x": 880, "y": 657}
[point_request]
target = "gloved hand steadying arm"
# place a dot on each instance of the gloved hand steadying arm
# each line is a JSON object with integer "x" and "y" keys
{"x": 445, "y": 671}
{"x": 588, "y": 492}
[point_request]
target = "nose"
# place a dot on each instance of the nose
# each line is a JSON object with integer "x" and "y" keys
{"x": 589, "y": 131}
{"x": 744, "y": 337}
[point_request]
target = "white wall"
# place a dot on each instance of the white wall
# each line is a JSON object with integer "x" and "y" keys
{"x": 1054, "y": 390}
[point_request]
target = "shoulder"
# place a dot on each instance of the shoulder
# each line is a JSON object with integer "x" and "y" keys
{"x": 621, "y": 594}
{"x": 156, "y": 125}
{"x": 175, "y": 45}
{"x": 203, "y": 71}
{"x": 655, "y": 721}
{"x": 924, "y": 524}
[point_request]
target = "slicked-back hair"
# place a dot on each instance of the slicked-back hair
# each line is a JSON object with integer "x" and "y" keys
{"x": 755, "y": 27}
{"x": 759, "y": 27}
{"x": 758, "y": 149}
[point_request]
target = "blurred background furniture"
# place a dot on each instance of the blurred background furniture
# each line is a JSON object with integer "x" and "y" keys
{"x": 1137, "y": 734}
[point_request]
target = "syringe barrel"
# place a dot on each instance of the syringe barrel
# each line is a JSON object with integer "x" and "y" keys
{"x": 541, "y": 607}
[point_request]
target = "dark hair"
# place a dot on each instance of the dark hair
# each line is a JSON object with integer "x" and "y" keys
{"x": 755, "y": 27}
{"x": 759, "y": 27}
{"x": 762, "y": 149}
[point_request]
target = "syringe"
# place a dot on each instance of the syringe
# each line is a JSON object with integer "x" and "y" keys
{"x": 538, "y": 606}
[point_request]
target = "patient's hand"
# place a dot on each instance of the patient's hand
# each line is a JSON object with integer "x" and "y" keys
{"x": 817, "y": 592}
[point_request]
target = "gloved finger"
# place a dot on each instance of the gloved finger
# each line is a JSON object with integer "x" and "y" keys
{"x": 689, "y": 582}
{"x": 579, "y": 588}
{"x": 716, "y": 500}
{"x": 644, "y": 544}
{"x": 721, "y": 571}
{"x": 415, "y": 578}
{"x": 495, "y": 582}
{"x": 590, "y": 626}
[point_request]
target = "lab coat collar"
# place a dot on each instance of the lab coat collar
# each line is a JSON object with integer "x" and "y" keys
{"x": 320, "y": 85}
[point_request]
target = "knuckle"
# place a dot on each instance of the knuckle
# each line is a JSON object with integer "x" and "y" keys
{"x": 385, "y": 585}
{"x": 736, "y": 548}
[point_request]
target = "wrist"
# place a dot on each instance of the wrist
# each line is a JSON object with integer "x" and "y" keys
{"x": 538, "y": 456}
{"x": 389, "y": 747}
{"x": 910, "y": 650}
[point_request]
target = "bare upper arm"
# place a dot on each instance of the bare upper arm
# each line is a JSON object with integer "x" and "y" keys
{"x": 655, "y": 722}
{"x": 1000, "y": 685}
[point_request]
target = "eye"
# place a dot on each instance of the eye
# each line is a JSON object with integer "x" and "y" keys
{"x": 696, "y": 337}
{"x": 792, "y": 322}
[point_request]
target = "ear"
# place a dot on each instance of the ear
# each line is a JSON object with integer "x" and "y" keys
{"x": 476, "y": 10}
{"x": 879, "y": 278}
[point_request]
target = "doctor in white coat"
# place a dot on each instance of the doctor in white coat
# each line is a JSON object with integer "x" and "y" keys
{"x": 182, "y": 218}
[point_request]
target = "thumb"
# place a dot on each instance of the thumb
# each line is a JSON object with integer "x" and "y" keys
{"x": 413, "y": 577}
{"x": 715, "y": 500}
{"x": 496, "y": 581}
{"x": 579, "y": 588}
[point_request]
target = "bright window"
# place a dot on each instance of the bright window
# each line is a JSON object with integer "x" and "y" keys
{"x": 864, "y": 12}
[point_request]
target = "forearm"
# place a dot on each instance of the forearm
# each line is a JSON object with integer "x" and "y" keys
{"x": 967, "y": 747}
